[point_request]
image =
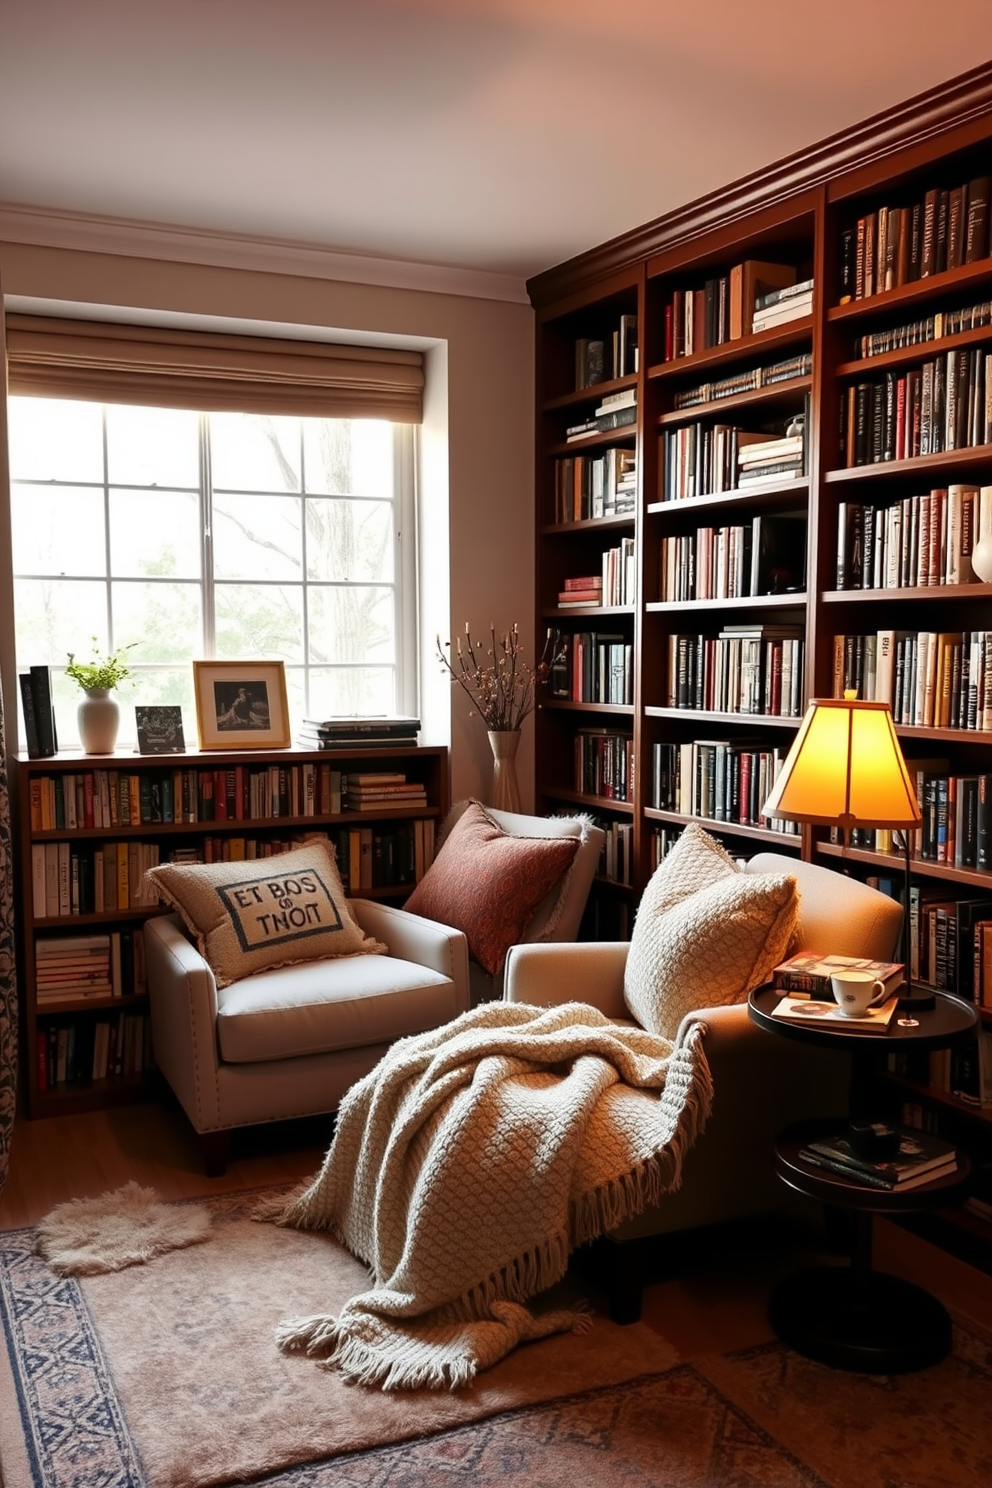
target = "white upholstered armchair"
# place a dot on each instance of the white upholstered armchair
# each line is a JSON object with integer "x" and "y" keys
{"x": 761, "y": 1082}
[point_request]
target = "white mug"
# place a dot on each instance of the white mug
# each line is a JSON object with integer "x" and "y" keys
{"x": 856, "y": 991}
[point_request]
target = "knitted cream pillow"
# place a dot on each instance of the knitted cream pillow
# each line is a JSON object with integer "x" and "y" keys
{"x": 254, "y": 915}
{"x": 705, "y": 933}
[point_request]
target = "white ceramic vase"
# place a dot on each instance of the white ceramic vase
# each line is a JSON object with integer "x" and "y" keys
{"x": 981, "y": 557}
{"x": 505, "y": 794}
{"x": 98, "y": 717}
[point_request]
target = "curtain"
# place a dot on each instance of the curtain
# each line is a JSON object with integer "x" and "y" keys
{"x": 8, "y": 980}
{"x": 192, "y": 369}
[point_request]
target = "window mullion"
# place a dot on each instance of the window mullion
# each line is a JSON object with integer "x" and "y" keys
{"x": 207, "y": 595}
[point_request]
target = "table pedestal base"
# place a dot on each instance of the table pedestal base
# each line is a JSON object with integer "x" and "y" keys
{"x": 874, "y": 1324}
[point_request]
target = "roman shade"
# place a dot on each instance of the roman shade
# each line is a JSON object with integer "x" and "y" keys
{"x": 172, "y": 368}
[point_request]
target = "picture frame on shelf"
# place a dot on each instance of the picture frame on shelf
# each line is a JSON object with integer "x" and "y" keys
{"x": 160, "y": 729}
{"x": 241, "y": 704}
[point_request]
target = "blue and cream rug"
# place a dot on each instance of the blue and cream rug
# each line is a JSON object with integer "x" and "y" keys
{"x": 167, "y": 1376}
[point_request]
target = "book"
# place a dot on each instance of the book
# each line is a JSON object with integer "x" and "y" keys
{"x": 353, "y": 726}
{"x": 44, "y": 712}
{"x": 827, "y": 1015}
{"x": 748, "y": 281}
{"x": 919, "y": 1152}
{"x": 810, "y": 973}
{"x": 872, "y": 1180}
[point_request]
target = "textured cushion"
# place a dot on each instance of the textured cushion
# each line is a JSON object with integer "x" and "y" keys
{"x": 249, "y": 916}
{"x": 705, "y": 933}
{"x": 488, "y": 883}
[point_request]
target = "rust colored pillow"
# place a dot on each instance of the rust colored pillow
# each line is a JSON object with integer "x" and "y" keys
{"x": 488, "y": 883}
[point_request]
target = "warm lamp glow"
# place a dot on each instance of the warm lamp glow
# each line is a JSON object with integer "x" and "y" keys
{"x": 845, "y": 768}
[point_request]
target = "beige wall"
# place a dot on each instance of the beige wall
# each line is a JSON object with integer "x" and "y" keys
{"x": 477, "y": 447}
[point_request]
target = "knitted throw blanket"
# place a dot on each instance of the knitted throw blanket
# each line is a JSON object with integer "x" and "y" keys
{"x": 468, "y": 1165}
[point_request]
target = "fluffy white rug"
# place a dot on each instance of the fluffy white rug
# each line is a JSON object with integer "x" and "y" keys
{"x": 126, "y": 1227}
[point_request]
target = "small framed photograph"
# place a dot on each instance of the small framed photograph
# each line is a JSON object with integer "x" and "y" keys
{"x": 160, "y": 730}
{"x": 241, "y": 704}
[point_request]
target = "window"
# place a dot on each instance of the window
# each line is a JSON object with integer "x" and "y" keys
{"x": 215, "y": 535}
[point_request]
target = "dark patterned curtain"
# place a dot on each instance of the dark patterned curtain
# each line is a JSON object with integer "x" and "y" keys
{"x": 8, "y": 980}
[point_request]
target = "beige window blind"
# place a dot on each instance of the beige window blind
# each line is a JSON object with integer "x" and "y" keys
{"x": 168, "y": 368}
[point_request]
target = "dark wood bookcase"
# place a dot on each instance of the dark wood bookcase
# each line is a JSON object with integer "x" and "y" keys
{"x": 807, "y": 213}
{"x": 214, "y": 806}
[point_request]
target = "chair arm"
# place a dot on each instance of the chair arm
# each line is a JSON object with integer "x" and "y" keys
{"x": 182, "y": 995}
{"x": 411, "y": 937}
{"x": 545, "y": 975}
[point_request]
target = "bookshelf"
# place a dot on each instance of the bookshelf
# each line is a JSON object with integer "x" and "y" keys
{"x": 821, "y": 473}
{"x": 90, "y": 826}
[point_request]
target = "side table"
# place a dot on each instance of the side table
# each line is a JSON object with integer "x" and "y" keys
{"x": 853, "y": 1317}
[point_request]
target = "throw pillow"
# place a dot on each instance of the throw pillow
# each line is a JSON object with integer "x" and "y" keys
{"x": 254, "y": 915}
{"x": 488, "y": 883}
{"x": 705, "y": 934}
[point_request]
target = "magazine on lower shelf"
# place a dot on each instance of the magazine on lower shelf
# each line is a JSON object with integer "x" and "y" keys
{"x": 872, "y": 1180}
{"x": 919, "y": 1153}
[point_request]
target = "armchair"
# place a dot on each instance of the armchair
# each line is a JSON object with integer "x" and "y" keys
{"x": 761, "y": 1083}
{"x": 291, "y": 1040}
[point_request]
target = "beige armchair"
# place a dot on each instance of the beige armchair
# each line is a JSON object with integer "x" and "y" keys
{"x": 761, "y": 1082}
{"x": 290, "y": 1041}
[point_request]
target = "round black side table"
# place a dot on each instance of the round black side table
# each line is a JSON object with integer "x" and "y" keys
{"x": 853, "y": 1317}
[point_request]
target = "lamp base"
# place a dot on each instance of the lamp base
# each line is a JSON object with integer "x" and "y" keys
{"x": 915, "y": 999}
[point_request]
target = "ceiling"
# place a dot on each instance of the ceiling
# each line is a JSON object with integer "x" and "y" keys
{"x": 501, "y": 136}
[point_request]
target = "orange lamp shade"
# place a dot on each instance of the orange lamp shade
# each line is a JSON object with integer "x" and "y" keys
{"x": 845, "y": 768}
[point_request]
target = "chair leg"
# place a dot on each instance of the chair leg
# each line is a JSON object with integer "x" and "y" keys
{"x": 216, "y": 1149}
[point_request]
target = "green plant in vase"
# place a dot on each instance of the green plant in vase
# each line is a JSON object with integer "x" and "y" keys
{"x": 98, "y": 715}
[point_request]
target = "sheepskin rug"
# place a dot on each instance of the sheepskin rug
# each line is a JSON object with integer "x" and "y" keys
{"x": 126, "y": 1227}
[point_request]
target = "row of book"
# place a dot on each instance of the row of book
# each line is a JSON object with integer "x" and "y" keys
{"x": 616, "y": 861}
{"x": 604, "y": 764}
{"x": 38, "y": 712}
{"x": 81, "y": 1050}
{"x": 930, "y": 679}
{"x": 593, "y": 667}
{"x": 945, "y": 404}
{"x": 588, "y": 487}
{"x": 932, "y": 327}
{"x": 77, "y": 968}
{"x": 103, "y": 798}
{"x": 898, "y": 244}
{"x": 956, "y": 812}
{"x": 725, "y": 306}
{"x": 69, "y": 878}
{"x": 604, "y": 358}
{"x": 786, "y": 369}
{"x": 723, "y": 780}
{"x": 949, "y": 938}
{"x": 354, "y": 731}
{"x": 755, "y": 670}
{"x": 915, "y": 542}
{"x": 963, "y": 1072}
{"x": 367, "y": 857}
{"x": 766, "y": 555}
{"x": 704, "y": 459}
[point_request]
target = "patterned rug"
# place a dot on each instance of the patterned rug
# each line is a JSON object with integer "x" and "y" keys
{"x": 166, "y": 1376}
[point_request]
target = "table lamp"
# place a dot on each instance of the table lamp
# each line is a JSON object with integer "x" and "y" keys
{"x": 845, "y": 769}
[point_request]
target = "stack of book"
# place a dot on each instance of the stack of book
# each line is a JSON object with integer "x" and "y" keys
{"x": 762, "y": 457}
{"x": 921, "y": 1158}
{"x": 352, "y": 731}
{"x": 808, "y": 973}
{"x": 778, "y": 306}
{"x": 71, "y": 968}
{"x": 381, "y": 790}
{"x": 585, "y": 590}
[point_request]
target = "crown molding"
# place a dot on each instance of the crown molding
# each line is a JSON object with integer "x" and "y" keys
{"x": 950, "y": 105}
{"x": 44, "y": 227}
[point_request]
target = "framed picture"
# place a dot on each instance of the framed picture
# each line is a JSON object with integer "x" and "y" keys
{"x": 241, "y": 704}
{"x": 160, "y": 730}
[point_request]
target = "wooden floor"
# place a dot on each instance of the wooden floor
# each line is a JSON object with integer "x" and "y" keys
{"x": 714, "y": 1300}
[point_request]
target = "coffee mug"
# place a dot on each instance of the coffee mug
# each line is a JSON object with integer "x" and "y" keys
{"x": 856, "y": 991}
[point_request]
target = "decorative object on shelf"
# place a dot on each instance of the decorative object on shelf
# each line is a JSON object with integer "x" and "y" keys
{"x": 98, "y": 715}
{"x": 160, "y": 730}
{"x": 503, "y": 688}
{"x": 845, "y": 769}
{"x": 981, "y": 553}
{"x": 505, "y": 792}
{"x": 241, "y": 704}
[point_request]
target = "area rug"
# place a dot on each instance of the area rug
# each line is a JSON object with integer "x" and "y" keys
{"x": 168, "y": 1375}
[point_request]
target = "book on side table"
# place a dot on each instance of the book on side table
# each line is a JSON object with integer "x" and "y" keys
{"x": 804, "y": 1009}
{"x": 809, "y": 973}
{"x": 921, "y": 1158}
